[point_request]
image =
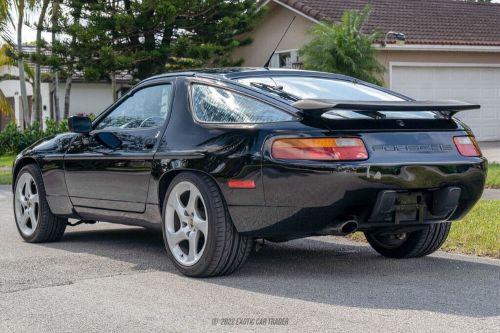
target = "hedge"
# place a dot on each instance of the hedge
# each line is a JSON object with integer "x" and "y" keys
{"x": 13, "y": 139}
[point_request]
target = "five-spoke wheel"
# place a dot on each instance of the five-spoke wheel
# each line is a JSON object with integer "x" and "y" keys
{"x": 27, "y": 204}
{"x": 186, "y": 223}
{"x": 199, "y": 235}
{"x": 34, "y": 220}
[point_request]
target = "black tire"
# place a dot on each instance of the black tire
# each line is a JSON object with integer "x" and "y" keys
{"x": 225, "y": 249}
{"x": 50, "y": 228}
{"x": 414, "y": 244}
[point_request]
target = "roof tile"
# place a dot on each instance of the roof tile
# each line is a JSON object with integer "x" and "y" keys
{"x": 446, "y": 22}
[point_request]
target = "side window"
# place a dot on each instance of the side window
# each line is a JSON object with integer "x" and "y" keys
{"x": 148, "y": 107}
{"x": 217, "y": 105}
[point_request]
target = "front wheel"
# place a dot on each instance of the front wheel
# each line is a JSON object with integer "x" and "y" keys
{"x": 35, "y": 222}
{"x": 412, "y": 244}
{"x": 198, "y": 232}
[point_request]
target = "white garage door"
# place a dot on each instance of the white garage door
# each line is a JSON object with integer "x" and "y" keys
{"x": 471, "y": 84}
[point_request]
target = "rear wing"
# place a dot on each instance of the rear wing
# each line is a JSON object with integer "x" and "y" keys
{"x": 316, "y": 107}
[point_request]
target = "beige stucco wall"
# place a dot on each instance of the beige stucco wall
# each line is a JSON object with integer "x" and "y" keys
{"x": 268, "y": 33}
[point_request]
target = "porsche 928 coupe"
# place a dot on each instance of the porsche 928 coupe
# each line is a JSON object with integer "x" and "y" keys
{"x": 217, "y": 159}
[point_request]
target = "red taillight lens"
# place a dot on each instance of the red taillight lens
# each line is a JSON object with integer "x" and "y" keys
{"x": 467, "y": 146}
{"x": 324, "y": 149}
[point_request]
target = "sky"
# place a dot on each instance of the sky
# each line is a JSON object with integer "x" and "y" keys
{"x": 30, "y": 34}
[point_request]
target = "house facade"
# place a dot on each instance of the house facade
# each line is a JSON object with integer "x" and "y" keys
{"x": 86, "y": 97}
{"x": 451, "y": 48}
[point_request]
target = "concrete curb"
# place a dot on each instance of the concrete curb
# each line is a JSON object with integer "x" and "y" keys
{"x": 491, "y": 194}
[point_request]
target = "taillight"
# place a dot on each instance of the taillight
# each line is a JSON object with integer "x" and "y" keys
{"x": 324, "y": 149}
{"x": 467, "y": 146}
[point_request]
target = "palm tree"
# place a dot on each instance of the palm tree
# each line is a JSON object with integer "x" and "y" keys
{"x": 4, "y": 20}
{"x": 343, "y": 48}
{"x": 37, "y": 107}
{"x": 22, "y": 6}
{"x": 5, "y": 60}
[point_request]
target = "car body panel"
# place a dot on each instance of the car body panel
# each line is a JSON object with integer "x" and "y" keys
{"x": 84, "y": 179}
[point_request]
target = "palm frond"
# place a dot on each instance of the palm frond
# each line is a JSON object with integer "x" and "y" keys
{"x": 343, "y": 47}
{"x": 4, "y": 105}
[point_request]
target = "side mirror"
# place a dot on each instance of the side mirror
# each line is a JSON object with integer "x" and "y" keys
{"x": 80, "y": 124}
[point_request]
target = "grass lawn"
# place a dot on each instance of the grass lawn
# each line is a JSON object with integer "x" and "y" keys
{"x": 6, "y": 161}
{"x": 493, "y": 180}
{"x": 5, "y": 169}
{"x": 477, "y": 234}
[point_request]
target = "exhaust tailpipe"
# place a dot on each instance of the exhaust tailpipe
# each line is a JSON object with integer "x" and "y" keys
{"x": 347, "y": 227}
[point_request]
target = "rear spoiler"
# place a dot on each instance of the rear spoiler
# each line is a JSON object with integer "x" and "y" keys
{"x": 316, "y": 107}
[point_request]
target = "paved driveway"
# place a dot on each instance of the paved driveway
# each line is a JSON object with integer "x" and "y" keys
{"x": 112, "y": 278}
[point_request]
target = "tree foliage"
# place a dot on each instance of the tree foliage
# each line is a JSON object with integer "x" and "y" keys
{"x": 147, "y": 37}
{"x": 5, "y": 19}
{"x": 343, "y": 48}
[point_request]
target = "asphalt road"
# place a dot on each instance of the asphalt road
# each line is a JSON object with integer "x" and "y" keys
{"x": 113, "y": 278}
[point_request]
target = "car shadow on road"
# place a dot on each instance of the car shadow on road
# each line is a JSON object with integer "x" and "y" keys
{"x": 323, "y": 272}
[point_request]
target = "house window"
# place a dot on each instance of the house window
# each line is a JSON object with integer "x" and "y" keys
{"x": 286, "y": 59}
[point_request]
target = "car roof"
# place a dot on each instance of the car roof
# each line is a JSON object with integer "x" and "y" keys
{"x": 233, "y": 73}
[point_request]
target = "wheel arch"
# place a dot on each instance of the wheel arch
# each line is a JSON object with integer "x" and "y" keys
{"x": 19, "y": 165}
{"x": 167, "y": 178}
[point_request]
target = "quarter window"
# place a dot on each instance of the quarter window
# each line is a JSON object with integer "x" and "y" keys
{"x": 217, "y": 105}
{"x": 147, "y": 108}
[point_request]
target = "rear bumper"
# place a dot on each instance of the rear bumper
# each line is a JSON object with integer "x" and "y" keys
{"x": 307, "y": 200}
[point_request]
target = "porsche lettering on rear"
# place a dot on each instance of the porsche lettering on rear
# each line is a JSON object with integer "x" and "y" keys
{"x": 430, "y": 148}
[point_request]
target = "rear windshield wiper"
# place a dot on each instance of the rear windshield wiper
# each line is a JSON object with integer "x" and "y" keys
{"x": 275, "y": 91}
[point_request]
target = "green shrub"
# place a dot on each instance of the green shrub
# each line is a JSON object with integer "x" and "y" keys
{"x": 13, "y": 139}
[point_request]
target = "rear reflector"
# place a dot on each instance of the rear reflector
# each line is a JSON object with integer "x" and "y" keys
{"x": 238, "y": 183}
{"x": 467, "y": 146}
{"x": 323, "y": 149}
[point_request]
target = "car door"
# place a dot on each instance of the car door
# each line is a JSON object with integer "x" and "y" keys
{"x": 110, "y": 168}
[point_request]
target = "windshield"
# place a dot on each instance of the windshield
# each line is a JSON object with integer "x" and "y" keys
{"x": 298, "y": 87}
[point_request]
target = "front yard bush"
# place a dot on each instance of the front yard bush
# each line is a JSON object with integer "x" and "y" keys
{"x": 13, "y": 139}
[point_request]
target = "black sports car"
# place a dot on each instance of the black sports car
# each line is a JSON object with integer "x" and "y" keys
{"x": 219, "y": 158}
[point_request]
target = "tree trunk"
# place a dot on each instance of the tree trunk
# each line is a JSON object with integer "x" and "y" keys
{"x": 55, "y": 91}
{"x": 67, "y": 95}
{"x": 113, "y": 86}
{"x": 37, "y": 95}
{"x": 22, "y": 77}
{"x": 55, "y": 71}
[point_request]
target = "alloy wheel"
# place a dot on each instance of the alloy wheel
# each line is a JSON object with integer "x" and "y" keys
{"x": 186, "y": 223}
{"x": 27, "y": 204}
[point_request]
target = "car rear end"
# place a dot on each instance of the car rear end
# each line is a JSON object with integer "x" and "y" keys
{"x": 346, "y": 170}
{"x": 372, "y": 179}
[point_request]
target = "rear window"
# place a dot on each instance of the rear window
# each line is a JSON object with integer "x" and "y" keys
{"x": 217, "y": 105}
{"x": 322, "y": 88}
